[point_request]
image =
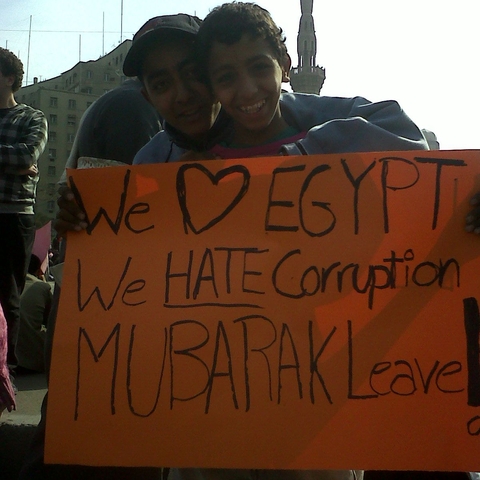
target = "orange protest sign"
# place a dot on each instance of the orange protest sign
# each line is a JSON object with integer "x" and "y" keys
{"x": 289, "y": 312}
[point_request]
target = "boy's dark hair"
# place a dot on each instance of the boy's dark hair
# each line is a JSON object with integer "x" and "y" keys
{"x": 34, "y": 265}
{"x": 230, "y": 21}
{"x": 10, "y": 64}
{"x": 156, "y": 31}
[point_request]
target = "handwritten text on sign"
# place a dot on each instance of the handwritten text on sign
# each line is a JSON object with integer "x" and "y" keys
{"x": 304, "y": 312}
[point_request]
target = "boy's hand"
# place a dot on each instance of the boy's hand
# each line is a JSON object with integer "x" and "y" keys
{"x": 32, "y": 171}
{"x": 69, "y": 216}
{"x": 473, "y": 217}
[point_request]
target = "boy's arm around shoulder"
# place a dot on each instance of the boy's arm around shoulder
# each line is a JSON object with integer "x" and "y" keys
{"x": 349, "y": 125}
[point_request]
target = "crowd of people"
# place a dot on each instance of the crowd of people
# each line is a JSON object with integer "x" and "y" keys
{"x": 200, "y": 90}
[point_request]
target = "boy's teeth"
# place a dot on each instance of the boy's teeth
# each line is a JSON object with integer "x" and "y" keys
{"x": 253, "y": 108}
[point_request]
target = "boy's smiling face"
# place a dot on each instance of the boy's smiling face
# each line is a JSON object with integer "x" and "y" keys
{"x": 171, "y": 85}
{"x": 246, "y": 78}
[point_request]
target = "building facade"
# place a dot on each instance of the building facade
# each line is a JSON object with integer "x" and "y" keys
{"x": 64, "y": 99}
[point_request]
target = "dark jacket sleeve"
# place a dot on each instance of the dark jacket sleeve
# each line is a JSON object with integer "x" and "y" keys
{"x": 117, "y": 125}
{"x": 339, "y": 125}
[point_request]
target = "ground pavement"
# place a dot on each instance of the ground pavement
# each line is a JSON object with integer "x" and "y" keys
{"x": 17, "y": 427}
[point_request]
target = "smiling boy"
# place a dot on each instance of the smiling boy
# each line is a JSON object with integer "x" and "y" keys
{"x": 246, "y": 65}
{"x": 243, "y": 54}
{"x": 247, "y": 77}
{"x": 161, "y": 57}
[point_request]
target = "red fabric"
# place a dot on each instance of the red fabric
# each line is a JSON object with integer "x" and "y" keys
{"x": 42, "y": 244}
{"x": 7, "y": 395}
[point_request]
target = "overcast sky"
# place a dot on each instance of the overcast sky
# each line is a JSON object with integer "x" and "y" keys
{"x": 423, "y": 53}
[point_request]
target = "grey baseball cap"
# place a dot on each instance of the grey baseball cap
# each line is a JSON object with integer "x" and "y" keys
{"x": 153, "y": 30}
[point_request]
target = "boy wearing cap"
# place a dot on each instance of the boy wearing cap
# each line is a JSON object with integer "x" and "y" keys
{"x": 161, "y": 56}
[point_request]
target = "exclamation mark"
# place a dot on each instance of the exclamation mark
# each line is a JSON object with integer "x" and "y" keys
{"x": 472, "y": 331}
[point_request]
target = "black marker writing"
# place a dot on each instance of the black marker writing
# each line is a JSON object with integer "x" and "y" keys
{"x": 136, "y": 209}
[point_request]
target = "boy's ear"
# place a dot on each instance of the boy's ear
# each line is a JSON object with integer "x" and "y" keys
{"x": 10, "y": 80}
{"x": 286, "y": 66}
